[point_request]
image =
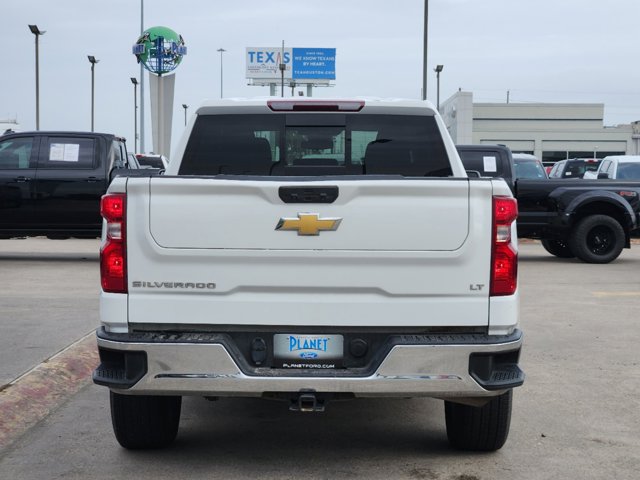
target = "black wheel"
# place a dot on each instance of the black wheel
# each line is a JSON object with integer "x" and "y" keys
{"x": 558, "y": 248}
{"x": 482, "y": 429}
{"x": 143, "y": 421}
{"x": 597, "y": 239}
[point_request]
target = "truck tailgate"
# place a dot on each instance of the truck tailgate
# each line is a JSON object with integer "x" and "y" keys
{"x": 208, "y": 251}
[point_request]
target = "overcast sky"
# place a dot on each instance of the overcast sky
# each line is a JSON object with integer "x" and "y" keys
{"x": 538, "y": 50}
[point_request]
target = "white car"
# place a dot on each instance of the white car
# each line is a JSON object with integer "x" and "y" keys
{"x": 621, "y": 167}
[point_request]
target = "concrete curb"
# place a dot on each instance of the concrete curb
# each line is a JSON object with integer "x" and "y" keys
{"x": 37, "y": 393}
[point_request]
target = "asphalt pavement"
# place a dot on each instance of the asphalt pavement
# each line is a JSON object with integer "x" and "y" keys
{"x": 576, "y": 417}
{"x": 48, "y": 299}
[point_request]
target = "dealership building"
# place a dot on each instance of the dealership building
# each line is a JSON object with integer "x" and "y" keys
{"x": 550, "y": 131}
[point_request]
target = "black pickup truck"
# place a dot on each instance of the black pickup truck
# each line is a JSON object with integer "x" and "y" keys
{"x": 588, "y": 219}
{"x": 51, "y": 182}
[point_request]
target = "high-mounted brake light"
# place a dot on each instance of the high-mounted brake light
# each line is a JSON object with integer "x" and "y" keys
{"x": 113, "y": 254}
{"x": 315, "y": 106}
{"x": 504, "y": 258}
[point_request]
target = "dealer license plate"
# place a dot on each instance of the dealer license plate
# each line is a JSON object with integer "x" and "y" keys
{"x": 307, "y": 351}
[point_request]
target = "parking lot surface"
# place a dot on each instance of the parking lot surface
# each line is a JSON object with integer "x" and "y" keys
{"x": 48, "y": 299}
{"x": 576, "y": 417}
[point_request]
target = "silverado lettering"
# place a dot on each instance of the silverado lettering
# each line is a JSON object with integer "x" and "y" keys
{"x": 201, "y": 286}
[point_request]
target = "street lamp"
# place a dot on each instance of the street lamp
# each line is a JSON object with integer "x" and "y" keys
{"x": 438, "y": 69}
{"x": 134, "y": 80}
{"x": 185, "y": 106}
{"x": 37, "y": 32}
{"x": 93, "y": 60}
{"x": 424, "y": 50}
{"x": 221, "y": 50}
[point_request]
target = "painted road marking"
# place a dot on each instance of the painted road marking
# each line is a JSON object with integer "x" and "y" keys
{"x": 616, "y": 294}
{"x": 37, "y": 393}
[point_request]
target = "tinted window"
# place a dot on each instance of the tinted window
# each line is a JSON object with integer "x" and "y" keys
{"x": 608, "y": 167}
{"x": 149, "y": 161}
{"x": 118, "y": 160}
{"x": 315, "y": 144}
{"x": 489, "y": 164}
{"x": 629, "y": 171}
{"x": 577, "y": 168}
{"x": 15, "y": 153}
{"x": 69, "y": 152}
{"x": 529, "y": 169}
{"x": 557, "y": 169}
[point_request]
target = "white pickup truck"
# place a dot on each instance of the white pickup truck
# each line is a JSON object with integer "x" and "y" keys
{"x": 310, "y": 250}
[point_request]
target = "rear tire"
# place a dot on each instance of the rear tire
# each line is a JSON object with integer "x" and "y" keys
{"x": 557, "y": 247}
{"x": 597, "y": 239}
{"x": 482, "y": 429}
{"x": 143, "y": 421}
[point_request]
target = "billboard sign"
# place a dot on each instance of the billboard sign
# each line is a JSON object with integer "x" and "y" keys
{"x": 262, "y": 63}
{"x": 314, "y": 63}
{"x": 302, "y": 64}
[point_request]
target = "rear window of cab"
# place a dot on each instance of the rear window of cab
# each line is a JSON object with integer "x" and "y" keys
{"x": 308, "y": 144}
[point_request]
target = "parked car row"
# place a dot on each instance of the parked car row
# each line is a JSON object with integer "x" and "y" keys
{"x": 615, "y": 167}
{"x": 589, "y": 219}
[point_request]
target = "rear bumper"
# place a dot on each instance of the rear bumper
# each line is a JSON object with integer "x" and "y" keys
{"x": 443, "y": 366}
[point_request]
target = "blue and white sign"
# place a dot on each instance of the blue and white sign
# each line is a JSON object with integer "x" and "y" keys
{"x": 264, "y": 62}
{"x": 302, "y": 64}
{"x": 314, "y": 63}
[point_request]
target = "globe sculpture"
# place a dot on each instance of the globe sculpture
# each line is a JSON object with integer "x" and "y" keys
{"x": 160, "y": 50}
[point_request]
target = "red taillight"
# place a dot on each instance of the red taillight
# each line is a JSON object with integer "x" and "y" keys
{"x": 112, "y": 207}
{"x": 113, "y": 254}
{"x": 504, "y": 258}
{"x": 316, "y": 105}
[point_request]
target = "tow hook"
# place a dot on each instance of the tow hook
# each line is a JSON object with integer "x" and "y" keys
{"x": 307, "y": 402}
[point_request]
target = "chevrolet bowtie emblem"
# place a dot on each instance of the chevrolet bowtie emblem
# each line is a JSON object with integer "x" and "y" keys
{"x": 308, "y": 224}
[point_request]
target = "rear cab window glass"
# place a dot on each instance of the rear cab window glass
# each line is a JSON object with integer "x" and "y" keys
{"x": 488, "y": 164}
{"x": 315, "y": 144}
{"x": 68, "y": 153}
{"x": 577, "y": 168}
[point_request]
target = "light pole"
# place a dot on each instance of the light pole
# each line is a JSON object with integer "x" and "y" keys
{"x": 37, "y": 32}
{"x": 424, "y": 50}
{"x": 282, "y": 66}
{"x": 185, "y": 106}
{"x": 142, "y": 149}
{"x": 221, "y": 50}
{"x": 134, "y": 80}
{"x": 93, "y": 60}
{"x": 438, "y": 69}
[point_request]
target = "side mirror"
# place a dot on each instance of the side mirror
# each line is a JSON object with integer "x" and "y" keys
{"x": 603, "y": 176}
